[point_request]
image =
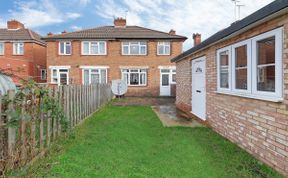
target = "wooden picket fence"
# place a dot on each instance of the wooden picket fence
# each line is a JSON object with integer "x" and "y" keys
{"x": 30, "y": 139}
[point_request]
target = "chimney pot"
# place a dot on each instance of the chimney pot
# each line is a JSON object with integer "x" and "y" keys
{"x": 50, "y": 34}
{"x": 64, "y": 32}
{"x": 172, "y": 32}
{"x": 14, "y": 24}
{"x": 196, "y": 38}
{"x": 119, "y": 22}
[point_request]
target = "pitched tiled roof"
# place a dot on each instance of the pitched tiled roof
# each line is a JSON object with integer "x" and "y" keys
{"x": 20, "y": 34}
{"x": 110, "y": 32}
{"x": 270, "y": 9}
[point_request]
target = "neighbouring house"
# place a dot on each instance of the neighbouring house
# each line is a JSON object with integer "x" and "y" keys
{"x": 22, "y": 52}
{"x": 237, "y": 82}
{"x": 138, "y": 55}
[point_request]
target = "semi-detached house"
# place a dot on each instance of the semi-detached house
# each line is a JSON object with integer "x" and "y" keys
{"x": 237, "y": 82}
{"x": 22, "y": 52}
{"x": 138, "y": 55}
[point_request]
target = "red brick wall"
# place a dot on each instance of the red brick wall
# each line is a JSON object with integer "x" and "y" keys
{"x": 30, "y": 63}
{"x": 260, "y": 127}
{"x": 114, "y": 60}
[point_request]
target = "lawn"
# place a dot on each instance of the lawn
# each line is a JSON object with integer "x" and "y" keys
{"x": 131, "y": 142}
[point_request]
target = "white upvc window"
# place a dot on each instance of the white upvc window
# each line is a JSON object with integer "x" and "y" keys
{"x": 135, "y": 77}
{"x": 2, "y": 48}
{"x": 60, "y": 75}
{"x": 255, "y": 67}
{"x": 18, "y": 48}
{"x": 163, "y": 48}
{"x": 224, "y": 69}
{"x": 65, "y": 47}
{"x": 94, "y": 75}
{"x": 241, "y": 64}
{"x": 43, "y": 74}
{"x": 134, "y": 48}
{"x": 94, "y": 48}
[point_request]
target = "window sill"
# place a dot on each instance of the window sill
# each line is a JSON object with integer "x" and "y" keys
{"x": 247, "y": 95}
{"x": 137, "y": 86}
{"x": 134, "y": 54}
{"x": 93, "y": 54}
{"x": 163, "y": 54}
{"x": 64, "y": 54}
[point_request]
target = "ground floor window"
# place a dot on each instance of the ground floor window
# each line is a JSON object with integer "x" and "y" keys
{"x": 60, "y": 76}
{"x": 94, "y": 76}
{"x": 43, "y": 74}
{"x": 135, "y": 77}
{"x": 254, "y": 67}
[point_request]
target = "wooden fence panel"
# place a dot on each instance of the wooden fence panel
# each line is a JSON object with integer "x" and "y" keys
{"x": 34, "y": 135}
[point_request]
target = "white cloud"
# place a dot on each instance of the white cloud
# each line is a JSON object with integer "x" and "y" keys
{"x": 40, "y": 13}
{"x": 185, "y": 16}
{"x": 71, "y": 15}
{"x": 84, "y": 2}
{"x": 76, "y": 28}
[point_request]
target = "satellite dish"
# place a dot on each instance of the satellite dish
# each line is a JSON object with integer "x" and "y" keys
{"x": 119, "y": 87}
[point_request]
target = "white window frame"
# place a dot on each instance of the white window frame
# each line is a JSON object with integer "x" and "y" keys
{"x": 58, "y": 68}
{"x": 94, "y": 68}
{"x": 16, "y": 48}
{"x": 278, "y": 33}
{"x": 229, "y": 69}
{"x": 65, "y": 45}
{"x": 249, "y": 62}
{"x": 129, "y": 44}
{"x": 3, "y": 48}
{"x": 252, "y": 91}
{"x": 162, "y": 43}
{"x": 45, "y": 74}
{"x": 129, "y": 77}
{"x": 89, "y": 48}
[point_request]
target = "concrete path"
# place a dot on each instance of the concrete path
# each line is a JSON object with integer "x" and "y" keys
{"x": 164, "y": 107}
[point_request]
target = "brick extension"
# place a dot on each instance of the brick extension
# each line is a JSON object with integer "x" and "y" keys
{"x": 259, "y": 127}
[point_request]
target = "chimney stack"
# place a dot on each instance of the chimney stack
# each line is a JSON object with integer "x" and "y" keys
{"x": 196, "y": 38}
{"x": 50, "y": 34}
{"x": 119, "y": 22}
{"x": 14, "y": 24}
{"x": 172, "y": 32}
{"x": 64, "y": 32}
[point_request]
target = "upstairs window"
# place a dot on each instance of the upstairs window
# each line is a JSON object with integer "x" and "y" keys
{"x": 1, "y": 48}
{"x": 65, "y": 48}
{"x": 135, "y": 77}
{"x": 134, "y": 48}
{"x": 18, "y": 48}
{"x": 163, "y": 48}
{"x": 254, "y": 68}
{"x": 93, "y": 48}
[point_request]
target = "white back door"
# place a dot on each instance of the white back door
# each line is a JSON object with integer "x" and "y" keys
{"x": 199, "y": 87}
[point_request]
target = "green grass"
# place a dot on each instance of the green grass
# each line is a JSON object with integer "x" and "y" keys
{"x": 131, "y": 142}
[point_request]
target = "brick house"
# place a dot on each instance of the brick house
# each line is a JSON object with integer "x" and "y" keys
{"x": 138, "y": 55}
{"x": 22, "y": 52}
{"x": 236, "y": 81}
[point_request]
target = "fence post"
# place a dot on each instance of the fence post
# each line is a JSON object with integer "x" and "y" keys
{"x": 11, "y": 131}
{"x": 48, "y": 132}
{"x": 23, "y": 154}
{"x": 61, "y": 102}
{"x": 2, "y": 141}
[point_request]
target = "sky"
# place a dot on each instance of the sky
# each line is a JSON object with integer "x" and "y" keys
{"x": 185, "y": 16}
